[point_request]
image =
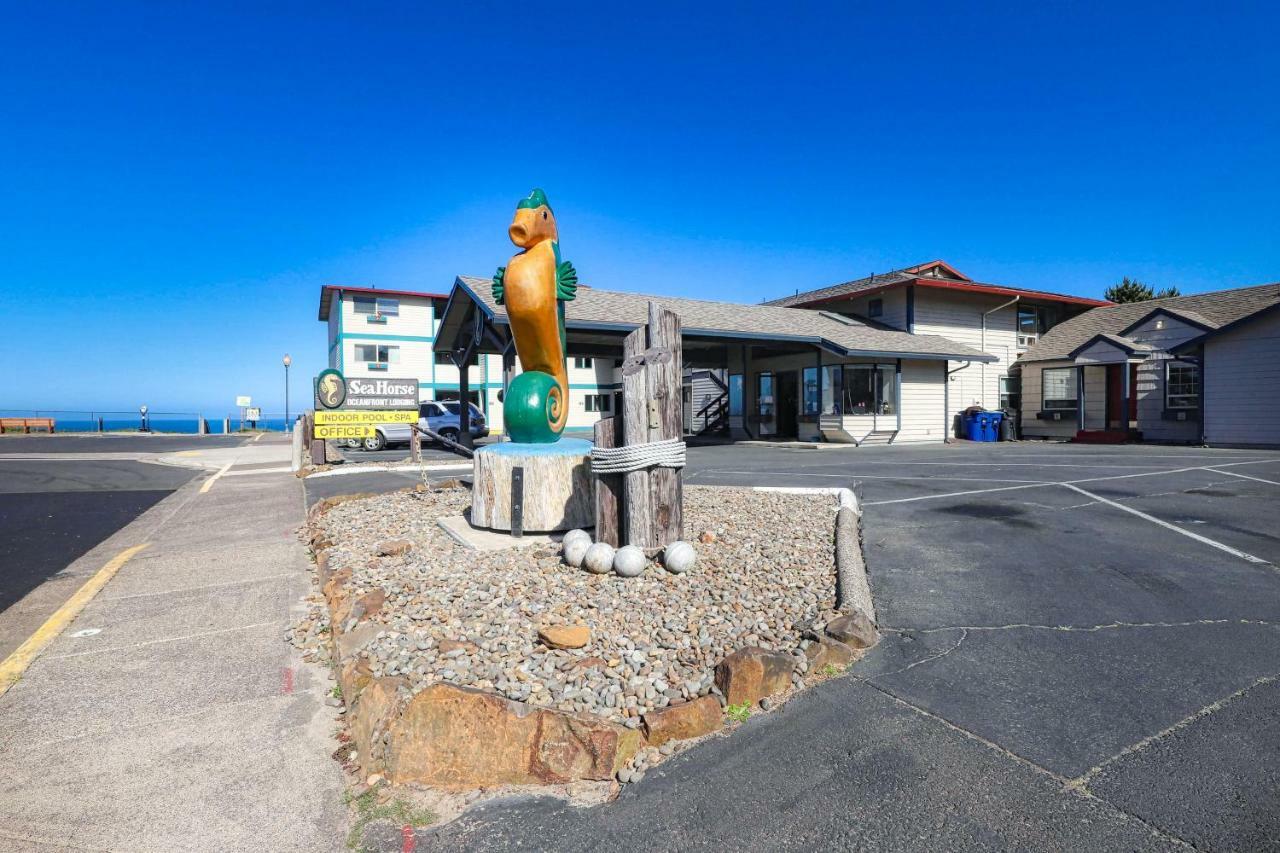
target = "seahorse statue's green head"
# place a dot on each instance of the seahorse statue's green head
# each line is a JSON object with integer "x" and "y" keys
{"x": 534, "y": 222}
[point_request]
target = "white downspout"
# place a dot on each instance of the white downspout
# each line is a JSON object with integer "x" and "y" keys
{"x": 983, "y": 374}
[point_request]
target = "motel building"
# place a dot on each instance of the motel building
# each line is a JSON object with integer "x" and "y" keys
{"x": 891, "y": 358}
{"x": 887, "y": 359}
{"x": 391, "y": 333}
{"x": 1202, "y": 369}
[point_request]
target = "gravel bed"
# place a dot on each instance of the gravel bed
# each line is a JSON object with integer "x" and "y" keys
{"x": 765, "y": 573}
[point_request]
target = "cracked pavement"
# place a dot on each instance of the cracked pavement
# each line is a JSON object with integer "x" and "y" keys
{"x": 1080, "y": 651}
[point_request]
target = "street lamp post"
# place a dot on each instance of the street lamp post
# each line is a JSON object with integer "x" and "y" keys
{"x": 287, "y": 361}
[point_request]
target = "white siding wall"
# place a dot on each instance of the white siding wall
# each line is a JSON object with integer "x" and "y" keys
{"x": 1242, "y": 384}
{"x": 923, "y": 418}
{"x": 893, "y": 307}
{"x": 415, "y": 320}
{"x": 958, "y": 316}
{"x": 1150, "y": 384}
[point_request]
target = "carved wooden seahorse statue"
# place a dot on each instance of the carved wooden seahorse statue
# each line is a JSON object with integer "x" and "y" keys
{"x": 534, "y": 285}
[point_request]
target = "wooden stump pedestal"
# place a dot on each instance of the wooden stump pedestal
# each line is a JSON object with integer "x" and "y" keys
{"x": 555, "y": 491}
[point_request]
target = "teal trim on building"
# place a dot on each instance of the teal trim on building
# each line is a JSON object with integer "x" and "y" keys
{"x": 588, "y": 386}
{"x": 368, "y": 337}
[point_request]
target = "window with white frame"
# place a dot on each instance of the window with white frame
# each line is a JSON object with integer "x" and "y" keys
{"x": 1058, "y": 388}
{"x": 1010, "y": 393}
{"x": 1031, "y": 325}
{"x": 377, "y": 356}
{"x": 377, "y": 306}
{"x": 597, "y": 402}
{"x": 1181, "y": 385}
{"x": 582, "y": 363}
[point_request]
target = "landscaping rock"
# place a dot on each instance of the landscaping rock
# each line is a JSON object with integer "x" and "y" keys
{"x": 854, "y": 629}
{"x": 629, "y": 561}
{"x": 824, "y": 651}
{"x": 455, "y": 737}
{"x": 681, "y": 722}
{"x": 564, "y": 636}
{"x": 679, "y": 557}
{"x": 394, "y": 548}
{"x": 372, "y": 712}
{"x": 750, "y": 674}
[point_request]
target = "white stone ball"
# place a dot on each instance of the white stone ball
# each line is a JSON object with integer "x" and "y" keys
{"x": 679, "y": 557}
{"x": 575, "y": 550}
{"x": 576, "y": 533}
{"x": 599, "y": 558}
{"x": 629, "y": 561}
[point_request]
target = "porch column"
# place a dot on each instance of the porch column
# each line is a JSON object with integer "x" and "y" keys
{"x": 748, "y": 391}
{"x": 1128, "y": 392}
{"x": 1080, "y": 397}
{"x": 897, "y": 392}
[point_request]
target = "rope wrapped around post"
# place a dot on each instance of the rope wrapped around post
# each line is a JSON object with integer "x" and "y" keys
{"x": 635, "y": 457}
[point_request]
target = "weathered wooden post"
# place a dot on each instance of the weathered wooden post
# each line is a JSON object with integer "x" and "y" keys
{"x": 609, "y": 491}
{"x": 651, "y": 404}
{"x": 415, "y": 444}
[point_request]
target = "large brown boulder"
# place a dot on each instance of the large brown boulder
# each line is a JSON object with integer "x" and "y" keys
{"x": 824, "y": 651}
{"x": 681, "y": 722}
{"x": 750, "y": 674}
{"x": 369, "y": 714}
{"x": 455, "y": 737}
{"x": 854, "y": 629}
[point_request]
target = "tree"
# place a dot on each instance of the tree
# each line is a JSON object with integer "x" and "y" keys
{"x": 1132, "y": 290}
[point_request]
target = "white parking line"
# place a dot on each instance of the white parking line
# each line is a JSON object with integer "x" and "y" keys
{"x": 1243, "y": 476}
{"x": 1168, "y": 526}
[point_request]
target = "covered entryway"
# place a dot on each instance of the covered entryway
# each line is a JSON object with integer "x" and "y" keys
{"x": 1106, "y": 388}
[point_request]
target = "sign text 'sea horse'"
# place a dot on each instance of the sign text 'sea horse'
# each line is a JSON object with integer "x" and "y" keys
{"x": 534, "y": 286}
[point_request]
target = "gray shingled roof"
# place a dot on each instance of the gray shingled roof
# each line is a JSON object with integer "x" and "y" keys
{"x": 615, "y": 309}
{"x": 847, "y": 288}
{"x": 1211, "y": 309}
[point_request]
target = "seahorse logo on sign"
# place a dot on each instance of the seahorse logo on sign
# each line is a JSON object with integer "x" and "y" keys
{"x": 331, "y": 389}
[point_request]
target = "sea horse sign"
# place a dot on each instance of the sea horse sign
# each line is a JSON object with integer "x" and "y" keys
{"x": 334, "y": 391}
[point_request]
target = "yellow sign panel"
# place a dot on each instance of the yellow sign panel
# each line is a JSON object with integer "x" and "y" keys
{"x": 373, "y": 416}
{"x": 346, "y": 431}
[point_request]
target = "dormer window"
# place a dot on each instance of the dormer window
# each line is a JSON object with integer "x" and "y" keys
{"x": 875, "y": 307}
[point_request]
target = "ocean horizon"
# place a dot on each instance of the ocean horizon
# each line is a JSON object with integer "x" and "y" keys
{"x": 186, "y": 423}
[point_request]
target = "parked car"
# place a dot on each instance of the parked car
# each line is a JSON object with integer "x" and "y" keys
{"x": 441, "y": 417}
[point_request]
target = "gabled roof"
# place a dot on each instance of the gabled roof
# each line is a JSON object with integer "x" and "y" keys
{"x": 1216, "y": 309}
{"x": 1121, "y": 343}
{"x": 608, "y": 310}
{"x": 932, "y": 274}
{"x": 327, "y": 293}
{"x": 1190, "y": 318}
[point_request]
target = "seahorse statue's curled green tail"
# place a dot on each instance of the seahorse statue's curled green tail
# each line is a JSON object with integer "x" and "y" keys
{"x": 534, "y": 285}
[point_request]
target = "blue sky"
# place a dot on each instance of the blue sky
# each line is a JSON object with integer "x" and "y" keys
{"x": 179, "y": 182}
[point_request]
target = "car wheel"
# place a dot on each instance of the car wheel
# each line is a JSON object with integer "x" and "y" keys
{"x": 449, "y": 433}
{"x": 378, "y": 442}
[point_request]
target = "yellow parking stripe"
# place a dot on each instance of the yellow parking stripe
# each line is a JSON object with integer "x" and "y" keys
{"x": 16, "y": 664}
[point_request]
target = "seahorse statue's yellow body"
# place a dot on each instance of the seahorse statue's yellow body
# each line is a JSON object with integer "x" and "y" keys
{"x": 534, "y": 286}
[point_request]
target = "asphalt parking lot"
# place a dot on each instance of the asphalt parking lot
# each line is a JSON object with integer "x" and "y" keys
{"x": 1080, "y": 650}
{"x": 53, "y": 511}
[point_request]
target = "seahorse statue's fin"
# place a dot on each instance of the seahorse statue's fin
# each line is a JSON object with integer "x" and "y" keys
{"x": 497, "y": 284}
{"x": 566, "y": 281}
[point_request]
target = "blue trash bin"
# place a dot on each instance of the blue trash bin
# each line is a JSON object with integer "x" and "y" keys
{"x": 996, "y": 425}
{"x": 972, "y": 429}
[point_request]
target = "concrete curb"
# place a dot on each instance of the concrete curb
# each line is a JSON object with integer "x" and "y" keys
{"x": 365, "y": 468}
{"x": 853, "y": 587}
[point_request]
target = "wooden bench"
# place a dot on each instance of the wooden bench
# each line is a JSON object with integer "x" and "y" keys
{"x": 26, "y": 424}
